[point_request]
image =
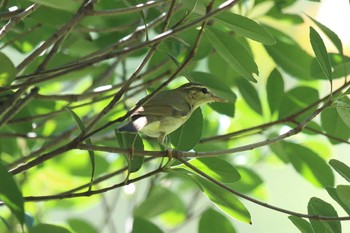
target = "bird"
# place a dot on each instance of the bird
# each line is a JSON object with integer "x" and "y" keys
{"x": 168, "y": 110}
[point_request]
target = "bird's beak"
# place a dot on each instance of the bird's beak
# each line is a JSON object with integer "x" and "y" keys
{"x": 219, "y": 99}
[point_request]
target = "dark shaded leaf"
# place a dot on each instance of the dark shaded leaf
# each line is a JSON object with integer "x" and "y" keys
{"x": 320, "y": 51}
{"x": 303, "y": 225}
{"x": 10, "y": 194}
{"x": 187, "y": 136}
{"x": 319, "y": 207}
{"x": 333, "y": 125}
{"x": 288, "y": 55}
{"x": 246, "y": 27}
{"x": 274, "y": 90}
{"x": 250, "y": 95}
{"x": 233, "y": 53}
{"x": 142, "y": 225}
{"x": 334, "y": 194}
{"x": 129, "y": 141}
{"x": 296, "y": 100}
{"x": 7, "y": 71}
{"x": 341, "y": 168}
{"x": 330, "y": 34}
{"x": 80, "y": 225}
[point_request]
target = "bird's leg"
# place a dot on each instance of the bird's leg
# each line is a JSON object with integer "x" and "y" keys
{"x": 163, "y": 140}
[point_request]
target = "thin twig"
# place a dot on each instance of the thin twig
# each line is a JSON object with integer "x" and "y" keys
{"x": 17, "y": 18}
{"x": 255, "y": 201}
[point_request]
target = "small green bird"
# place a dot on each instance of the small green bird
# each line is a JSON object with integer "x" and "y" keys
{"x": 168, "y": 110}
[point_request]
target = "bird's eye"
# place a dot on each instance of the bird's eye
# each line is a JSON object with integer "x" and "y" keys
{"x": 204, "y": 90}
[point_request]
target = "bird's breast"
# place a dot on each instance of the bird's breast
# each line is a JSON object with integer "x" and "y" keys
{"x": 163, "y": 125}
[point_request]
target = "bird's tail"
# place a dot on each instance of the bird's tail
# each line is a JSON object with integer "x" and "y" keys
{"x": 134, "y": 126}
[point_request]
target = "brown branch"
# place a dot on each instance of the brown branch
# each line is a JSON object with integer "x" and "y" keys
{"x": 66, "y": 28}
{"x": 17, "y": 18}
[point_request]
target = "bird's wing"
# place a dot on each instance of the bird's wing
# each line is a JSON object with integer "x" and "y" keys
{"x": 164, "y": 105}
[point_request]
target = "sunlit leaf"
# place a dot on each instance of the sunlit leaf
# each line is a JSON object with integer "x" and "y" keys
{"x": 223, "y": 199}
{"x": 163, "y": 203}
{"x": 309, "y": 164}
{"x": 213, "y": 221}
{"x": 214, "y": 167}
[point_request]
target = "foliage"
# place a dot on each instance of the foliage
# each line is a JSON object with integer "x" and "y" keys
{"x": 71, "y": 70}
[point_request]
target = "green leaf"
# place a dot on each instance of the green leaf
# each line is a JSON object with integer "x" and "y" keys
{"x": 330, "y": 34}
{"x": 44, "y": 228}
{"x": 213, "y": 221}
{"x": 142, "y": 225}
{"x": 10, "y": 194}
{"x": 187, "y": 136}
{"x": 320, "y": 51}
{"x": 340, "y": 67}
{"x": 341, "y": 168}
{"x": 88, "y": 141}
{"x": 246, "y": 27}
{"x": 303, "y": 225}
{"x": 223, "y": 199}
{"x": 333, "y": 125}
{"x": 319, "y": 207}
{"x": 309, "y": 164}
{"x": 80, "y": 225}
{"x": 275, "y": 90}
{"x": 334, "y": 194}
{"x": 162, "y": 202}
{"x": 343, "y": 192}
{"x": 288, "y": 55}
{"x": 128, "y": 141}
{"x": 66, "y": 5}
{"x": 250, "y": 95}
{"x": 216, "y": 168}
{"x": 296, "y": 100}
{"x": 7, "y": 71}
{"x": 343, "y": 109}
{"x": 249, "y": 181}
{"x": 233, "y": 53}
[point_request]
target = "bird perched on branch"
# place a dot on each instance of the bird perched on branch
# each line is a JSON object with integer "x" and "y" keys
{"x": 168, "y": 110}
